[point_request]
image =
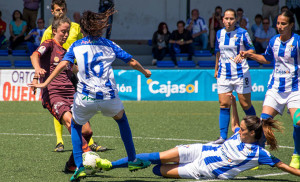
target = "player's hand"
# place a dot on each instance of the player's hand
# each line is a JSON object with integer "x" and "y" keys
{"x": 148, "y": 73}
{"x": 216, "y": 74}
{"x": 34, "y": 81}
{"x": 239, "y": 58}
{"x": 40, "y": 72}
{"x": 36, "y": 85}
{"x": 232, "y": 98}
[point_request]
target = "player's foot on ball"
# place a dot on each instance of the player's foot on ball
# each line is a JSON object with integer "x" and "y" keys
{"x": 220, "y": 140}
{"x": 69, "y": 168}
{"x": 103, "y": 164}
{"x": 295, "y": 162}
{"x": 138, "y": 164}
{"x": 78, "y": 174}
{"x": 59, "y": 147}
{"x": 97, "y": 148}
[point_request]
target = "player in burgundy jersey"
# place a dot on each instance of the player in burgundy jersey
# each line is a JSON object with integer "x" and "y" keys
{"x": 58, "y": 96}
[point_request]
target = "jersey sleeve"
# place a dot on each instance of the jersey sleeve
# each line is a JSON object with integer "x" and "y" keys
{"x": 44, "y": 48}
{"x": 269, "y": 55}
{"x": 70, "y": 56}
{"x": 47, "y": 34}
{"x": 120, "y": 53}
{"x": 247, "y": 41}
{"x": 217, "y": 49}
{"x": 265, "y": 158}
{"x": 237, "y": 129}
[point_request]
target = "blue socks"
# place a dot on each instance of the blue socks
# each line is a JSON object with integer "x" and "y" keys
{"x": 250, "y": 111}
{"x": 224, "y": 120}
{"x": 76, "y": 136}
{"x": 152, "y": 157}
{"x": 126, "y": 137}
{"x": 156, "y": 170}
{"x": 265, "y": 116}
{"x": 296, "y": 136}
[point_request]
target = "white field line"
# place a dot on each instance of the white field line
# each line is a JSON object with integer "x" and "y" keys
{"x": 251, "y": 177}
{"x": 143, "y": 138}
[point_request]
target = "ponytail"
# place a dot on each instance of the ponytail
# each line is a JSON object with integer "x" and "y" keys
{"x": 268, "y": 126}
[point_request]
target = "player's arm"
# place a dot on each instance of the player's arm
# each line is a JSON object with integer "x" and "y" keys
{"x": 35, "y": 61}
{"x": 59, "y": 68}
{"x": 217, "y": 64}
{"x": 287, "y": 168}
{"x": 257, "y": 57}
{"x": 137, "y": 66}
{"x": 235, "y": 121}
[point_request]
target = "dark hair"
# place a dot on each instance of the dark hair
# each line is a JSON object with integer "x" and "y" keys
{"x": 259, "y": 16}
{"x": 218, "y": 7}
{"x": 265, "y": 126}
{"x": 13, "y": 15}
{"x": 0, "y": 13}
{"x": 284, "y": 7}
{"x": 195, "y": 10}
{"x": 93, "y": 23}
{"x": 58, "y": 21}
{"x": 161, "y": 27}
{"x": 289, "y": 15}
{"x": 41, "y": 19}
{"x": 180, "y": 21}
{"x": 240, "y": 9}
{"x": 267, "y": 19}
{"x": 232, "y": 10}
{"x": 60, "y": 3}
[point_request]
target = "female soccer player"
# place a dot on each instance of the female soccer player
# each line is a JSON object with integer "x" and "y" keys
{"x": 97, "y": 87}
{"x": 58, "y": 96}
{"x": 232, "y": 72}
{"x": 283, "y": 88}
{"x": 201, "y": 161}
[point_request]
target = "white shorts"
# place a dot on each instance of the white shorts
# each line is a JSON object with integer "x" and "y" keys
{"x": 278, "y": 100}
{"x": 240, "y": 85}
{"x": 84, "y": 108}
{"x": 189, "y": 156}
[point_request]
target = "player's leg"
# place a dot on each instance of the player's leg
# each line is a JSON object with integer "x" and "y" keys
{"x": 295, "y": 114}
{"x": 95, "y": 147}
{"x": 58, "y": 127}
{"x": 245, "y": 101}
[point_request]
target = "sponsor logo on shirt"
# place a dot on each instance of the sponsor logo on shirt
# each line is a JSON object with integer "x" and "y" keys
{"x": 42, "y": 49}
{"x": 225, "y": 156}
{"x": 282, "y": 72}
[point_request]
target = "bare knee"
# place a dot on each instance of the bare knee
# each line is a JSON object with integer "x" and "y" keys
{"x": 119, "y": 115}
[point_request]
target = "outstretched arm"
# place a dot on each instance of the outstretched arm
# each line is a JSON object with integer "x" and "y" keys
{"x": 287, "y": 168}
{"x": 257, "y": 57}
{"x": 235, "y": 122}
{"x": 137, "y": 66}
{"x": 59, "y": 68}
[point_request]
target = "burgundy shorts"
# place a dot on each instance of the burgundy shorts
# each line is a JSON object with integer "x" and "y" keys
{"x": 57, "y": 106}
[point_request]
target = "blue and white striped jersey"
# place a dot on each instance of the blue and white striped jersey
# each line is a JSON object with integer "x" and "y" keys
{"x": 232, "y": 157}
{"x": 285, "y": 76}
{"x": 198, "y": 26}
{"x": 94, "y": 58}
{"x": 229, "y": 44}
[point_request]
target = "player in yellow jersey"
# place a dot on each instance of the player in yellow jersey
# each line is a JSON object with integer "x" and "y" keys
{"x": 59, "y": 9}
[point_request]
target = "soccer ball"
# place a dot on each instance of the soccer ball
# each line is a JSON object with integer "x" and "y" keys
{"x": 89, "y": 162}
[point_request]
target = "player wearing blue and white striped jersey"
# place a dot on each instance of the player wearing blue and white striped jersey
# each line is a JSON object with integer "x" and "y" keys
{"x": 207, "y": 161}
{"x": 283, "y": 86}
{"x": 232, "y": 70}
{"x": 96, "y": 90}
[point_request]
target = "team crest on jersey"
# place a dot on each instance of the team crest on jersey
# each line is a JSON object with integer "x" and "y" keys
{"x": 291, "y": 47}
{"x": 42, "y": 49}
{"x": 56, "y": 59}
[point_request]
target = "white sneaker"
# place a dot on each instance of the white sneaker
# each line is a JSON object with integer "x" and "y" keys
{"x": 218, "y": 141}
{"x": 154, "y": 61}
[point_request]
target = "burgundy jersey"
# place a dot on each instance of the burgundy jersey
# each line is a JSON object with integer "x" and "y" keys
{"x": 51, "y": 53}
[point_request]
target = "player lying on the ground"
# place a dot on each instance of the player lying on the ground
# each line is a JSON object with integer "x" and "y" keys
{"x": 239, "y": 153}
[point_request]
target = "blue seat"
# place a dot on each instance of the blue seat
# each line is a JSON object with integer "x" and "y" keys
{"x": 3, "y": 52}
{"x": 5, "y": 63}
{"x": 186, "y": 64}
{"x": 206, "y": 63}
{"x": 182, "y": 55}
{"x": 202, "y": 53}
{"x": 252, "y": 63}
{"x": 20, "y": 53}
{"x": 22, "y": 63}
{"x": 165, "y": 64}
{"x": 150, "y": 42}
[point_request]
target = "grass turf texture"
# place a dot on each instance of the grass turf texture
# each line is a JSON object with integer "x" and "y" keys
{"x": 28, "y": 139}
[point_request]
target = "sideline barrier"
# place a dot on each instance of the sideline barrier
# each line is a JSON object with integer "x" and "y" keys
{"x": 170, "y": 85}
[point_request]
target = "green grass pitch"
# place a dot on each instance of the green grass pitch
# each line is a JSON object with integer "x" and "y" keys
{"x": 28, "y": 139}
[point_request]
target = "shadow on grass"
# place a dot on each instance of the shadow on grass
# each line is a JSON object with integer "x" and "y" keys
{"x": 247, "y": 178}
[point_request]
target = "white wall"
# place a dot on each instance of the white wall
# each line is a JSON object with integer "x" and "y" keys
{"x": 138, "y": 19}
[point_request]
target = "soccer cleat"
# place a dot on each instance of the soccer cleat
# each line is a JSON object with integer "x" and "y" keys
{"x": 59, "y": 147}
{"x": 138, "y": 164}
{"x": 97, "y": 148}
{"x": 103, "y": 164}
{"x": 78, "y": 174}
{"x": 220, "y": 140}
{"x": 69, "y": 168}
{"x": 295, "y": 162}
{"x": 255, "y": 168}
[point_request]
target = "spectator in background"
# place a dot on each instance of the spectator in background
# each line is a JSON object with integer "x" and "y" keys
{"x": 34, "y": 37}
{"x": 294, "y": 6}
{"x": 76, "y": 17}
{"x": 197, "y": 26}
{"x": 160, "y": 42}
{"x": 270, "y": 9}
{"x": 17, "y": 29}
{"x": 104, "y": 5}
{"x": 2, "y": 30}
{"x": 215, "y": 24}
{"x": 258, "y": 23}
{"x": 263, "y": 36}
{"x": 240, "y": 16}
{"x": 243, "y": 24}
{"x": 30, "y": 12}
{"x": 181, "y": 41}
